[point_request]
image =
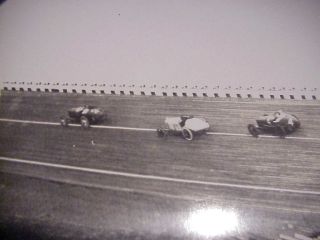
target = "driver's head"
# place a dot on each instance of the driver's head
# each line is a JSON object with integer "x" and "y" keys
{"x": 278, "y": 113}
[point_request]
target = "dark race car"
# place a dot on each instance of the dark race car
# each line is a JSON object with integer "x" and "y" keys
{"x": 85, "y": 115}
{"x": 278, "y": 123}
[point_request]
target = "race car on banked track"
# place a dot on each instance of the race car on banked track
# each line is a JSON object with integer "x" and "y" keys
{"x": 185, "y": 126}
{"x": 85, "y": 115}
{"x": 278, "y": 123}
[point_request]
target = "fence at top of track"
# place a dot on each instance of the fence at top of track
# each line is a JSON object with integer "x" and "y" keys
{"x": 175, "y": 91}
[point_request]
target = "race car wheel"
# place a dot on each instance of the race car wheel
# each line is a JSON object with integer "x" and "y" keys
{"x": 253, "y": 130}
{"x": 161, "y": 132}
{"x": 297, "y": 123}
{"x": 64, "y": 122}
{"x": 290, "y": 129}
{"x": 281, "y": 132}
{"x": 187, "y": 134}
{"x": 84, "y": 122}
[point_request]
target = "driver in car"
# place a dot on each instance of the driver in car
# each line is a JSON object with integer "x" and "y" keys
{"x": 280, "y": 121}
{"x": 270, "y": 118}
{"x": 280, "y": 115}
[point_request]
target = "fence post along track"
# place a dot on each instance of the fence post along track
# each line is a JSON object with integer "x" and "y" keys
{"x": 216, "y": 91}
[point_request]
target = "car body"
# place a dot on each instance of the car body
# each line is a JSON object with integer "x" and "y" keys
{"x": 278, "y": 123}
{"x": 85, "y": 115}
{"x": 185, "y": 126}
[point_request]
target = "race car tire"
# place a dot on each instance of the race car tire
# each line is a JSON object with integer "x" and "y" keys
{"x": 281, "y": 131}
{"x": 161, "y": 132}
{"x": 64, "y": 122}
{"x": 187, "y": 134}
{"x": 297, "y": 124}
{"x": 84, "y": 121}
{"x": 290, "y": 129}
{"x": 253, "y": 130}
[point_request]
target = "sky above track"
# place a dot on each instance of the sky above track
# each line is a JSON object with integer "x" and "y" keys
{"x": 190, "y": 42}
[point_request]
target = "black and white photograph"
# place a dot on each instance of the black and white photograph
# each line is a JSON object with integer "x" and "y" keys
{"x": 160, "y": 119}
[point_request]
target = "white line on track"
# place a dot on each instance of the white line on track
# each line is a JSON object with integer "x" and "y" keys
{"x": 218, "y": 201}
{"x": 125, "y": 128}
{"x": 261, "y": 136}
{"x": 174, "y": 196}
{"x": 149, "y": 129}
{"x": 75, "y": 125}
{"x": 159, "y": 178}
{"x": 27, "y": 121}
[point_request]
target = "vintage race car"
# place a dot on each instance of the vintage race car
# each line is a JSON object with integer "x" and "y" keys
{"x": 278, "y": 123}
{"x": 185, "y": 126}
{"x": 85, "y": 115}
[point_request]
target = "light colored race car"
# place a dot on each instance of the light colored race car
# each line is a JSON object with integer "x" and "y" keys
{"x": 185, "y": 126}
{"x": 279, "y": 123}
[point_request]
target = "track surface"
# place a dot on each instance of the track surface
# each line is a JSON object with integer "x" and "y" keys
{"x": 278, "y": 178}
